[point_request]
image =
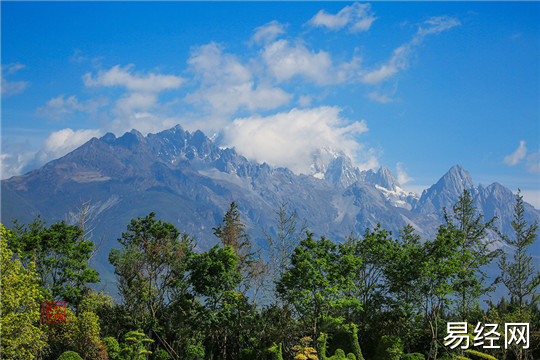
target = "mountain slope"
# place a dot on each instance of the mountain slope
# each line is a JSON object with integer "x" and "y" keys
{"x": 188, "y": 180}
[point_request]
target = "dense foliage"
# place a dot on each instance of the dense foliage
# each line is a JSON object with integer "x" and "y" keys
{"x": 372, "y": 296}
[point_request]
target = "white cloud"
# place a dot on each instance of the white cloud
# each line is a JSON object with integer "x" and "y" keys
{"x": 123, "y": 77}
{"x": 131, "y": 103}
{"x": 382, "y": 98}
{"x": 138, "y": 107}
{"x": 59, "y": 107}
{"x": 289, "y": 139}
{"x": 400, "y": 57}
{"x": 304, "y": 100}
{"x": 357, "y": 16}
{"x": 12, "y": 87}
{"x": 15, "y": 163}
{"x": 58, "y": 144}
{"x": 402, "y": 176}
{"x": 384, "y": 72}
{"x": 437, "y": 24}
{"x": 12, "y": 68}
{"x": 517, "y": 155}
{"x": 61, "y": 142}
{"x": 268, "y": 32}
{"x": 227, "y": 85}
{"x": 286, "y": 61}
{"x": 533, "y": 163}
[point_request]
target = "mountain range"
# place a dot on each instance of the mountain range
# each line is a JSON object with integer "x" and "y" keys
{"x": 186, "y": 179}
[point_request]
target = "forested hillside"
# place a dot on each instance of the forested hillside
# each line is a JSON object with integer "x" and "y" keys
{"x": 378, "y": 295}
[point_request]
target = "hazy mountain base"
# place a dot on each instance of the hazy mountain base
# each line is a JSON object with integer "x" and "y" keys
{"x": 189, "y": 181}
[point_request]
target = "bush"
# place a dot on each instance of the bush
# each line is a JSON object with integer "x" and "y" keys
{"x": 413, "y": 356}
{"x": 162, "y": 355}
{"x": 112, "y": 346}
{"x": 70, "y": 355}
{"x": 390, "y": 348}
{"x": 195, "y": 352}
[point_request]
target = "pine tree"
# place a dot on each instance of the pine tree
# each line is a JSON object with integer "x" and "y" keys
{"x": 232, "y": 233}
{"x": 474, "y": 250}
{"x": 519, "y": 276}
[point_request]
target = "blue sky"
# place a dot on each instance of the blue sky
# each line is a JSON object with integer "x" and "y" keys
{"x": 417, "y": 87}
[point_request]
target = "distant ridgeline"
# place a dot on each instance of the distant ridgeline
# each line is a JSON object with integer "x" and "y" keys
{"x": 187, "y": 180}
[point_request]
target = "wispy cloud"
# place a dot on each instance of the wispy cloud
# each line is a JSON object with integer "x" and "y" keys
{"x": 289, "y": 139}
{"x": 381, "y": 98}
{"x": 400, "y": 57}
{"x": 402, "y": 176}
{"x": 10, "y": 88}
{"x": 59, "y": 107}
{"x": 123, "y": 77}
{"x": 268, "y": 32}
{"x": 357, "y": 17}
{"x": 533, "y": 162}
{"x": 518, "y": 155}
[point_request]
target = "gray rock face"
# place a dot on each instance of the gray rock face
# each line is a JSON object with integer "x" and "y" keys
{"x": 445, "y": 192}
{"x": 188, "y": 180}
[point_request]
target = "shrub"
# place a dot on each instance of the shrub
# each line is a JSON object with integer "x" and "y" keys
{"x": 390, "y": 348}
{"x": 70, "y": 355}
{"x": 413, "y": 356}
{"x": 113, "y": 348}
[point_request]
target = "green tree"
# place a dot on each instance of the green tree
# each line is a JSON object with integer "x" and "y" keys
{"x": 150, "y": 267}
{"x": 474, "y": 249}
{"x": 60, "y": 254}
{"x": 70, "y": 355}
{"x": 80, "y": 333}
{"x": 317, "y": 281}
{"x": 214, "y": 277}
{"x": 519, "y": 276}
{"x": 135, "y": 346}
{"x": 21, "y": 337}
{"x": 402, "y": 276}
{"x": 438, "y": 270}
{"x": 232, "y": 233}
{"x": 375, "y": 251}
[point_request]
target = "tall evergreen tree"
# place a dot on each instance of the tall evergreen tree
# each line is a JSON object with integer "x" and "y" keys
{"x": 474, "y": 250}
{"x": 232, "y": 233}
{"x": 519, "y": 276}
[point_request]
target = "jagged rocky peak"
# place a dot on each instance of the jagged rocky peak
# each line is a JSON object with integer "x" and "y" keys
{"x": 334, "y": 166}
{"x": 447, "y": 190}
{"x": 321, "y": 158}
{"x": 386, "y": 178}
{"x": 108, "y": 138}
{"x": 130, "y": 139}
{"x": 383, "y": 178}
{"x": 456, "y": 180}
